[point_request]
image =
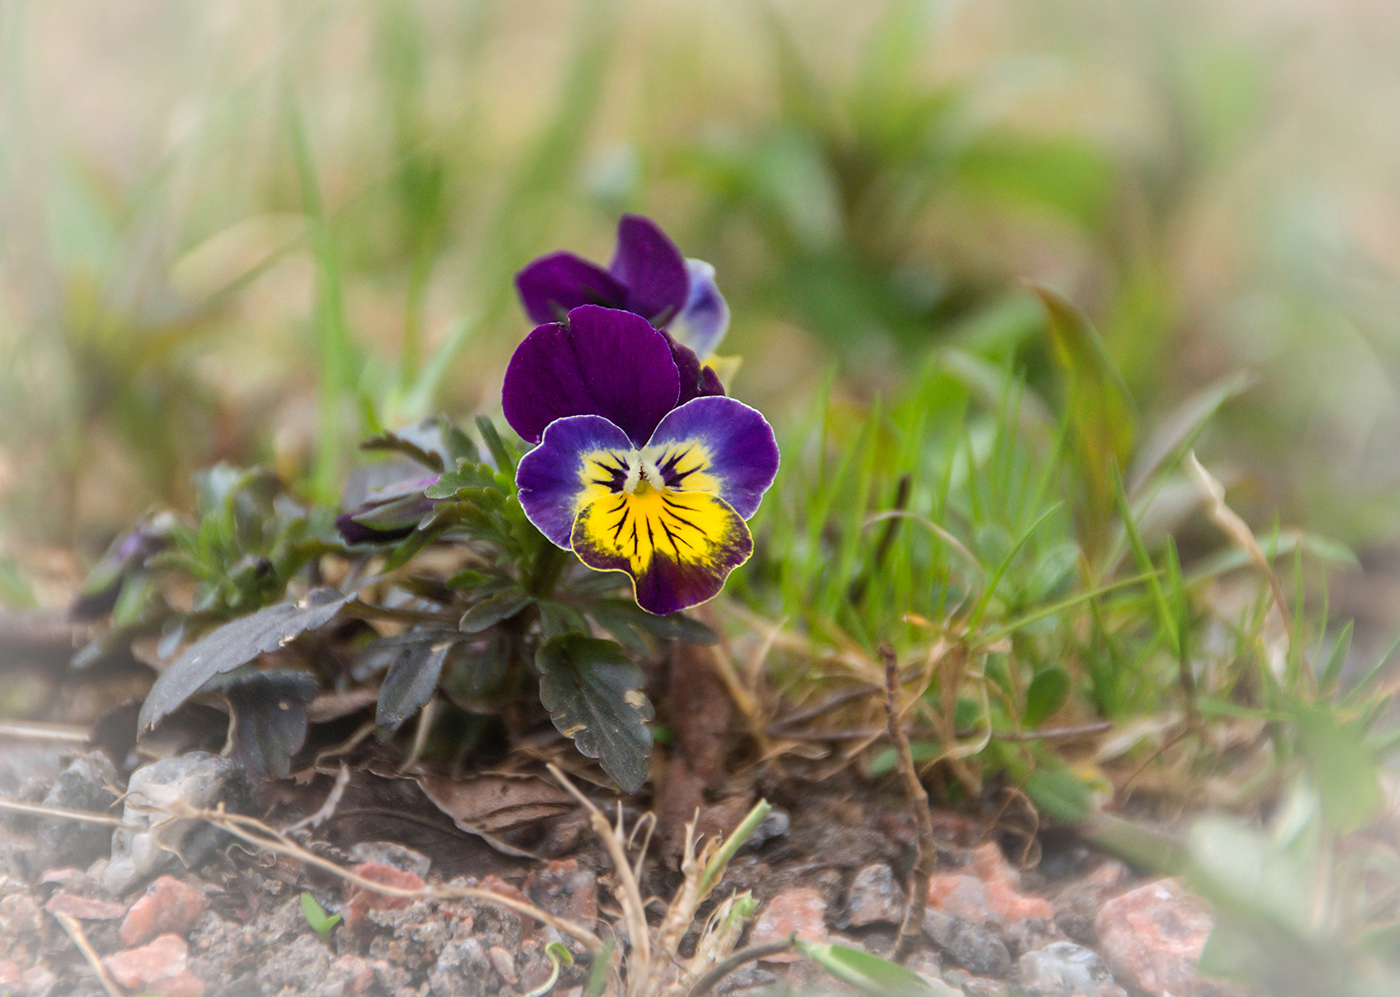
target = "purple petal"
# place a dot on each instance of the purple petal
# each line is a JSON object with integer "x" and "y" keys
{"x": 679, "y": 547}
{"x": 716, "y": 445}
{"x": 554, "y": 285}
{"x": 389, "y": 513}
{"x": 580, "y": 458}
{"x": 602, "y": 362}
{"x": 697, "y": 380}
{"x": 652, "y": 268}
{"x": 705, "y": 317}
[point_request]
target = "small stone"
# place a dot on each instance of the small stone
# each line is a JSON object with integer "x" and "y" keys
{"x": 196, "y": 779}
{"x": 1064, "y": 969}
{"x": 60, "y": 875}
{"x": 38, "y": 981}
{"x": 359, "y": 972}
{"x": 169, "y": 907}
{"x": 10, "y": 974}
{"x": 84, "y": 908}
{"x": 1153, "y": 937}
{"x": 801, "y": 910}
{"x": 969, "y": 945}
{"x": 1008, "y": 905}
{"x": 1032, "y": 933}
{"x": 874, "y": 898}
{"x": 82, "y": 785}
{"x": 565, "y": 889}
{"x": 976, "y": 986}
{"x": 158, "y": 968}
{"x": 502, "y": 962}
{"x": 749, "y": 981}
{"x": 460, "y": 961}
{"x": 391, "y": 853}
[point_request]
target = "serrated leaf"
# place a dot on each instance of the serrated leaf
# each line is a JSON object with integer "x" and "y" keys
{"x": 466, "y": 478}
{"x": 267, "y": 716}
{"x": 490, "y": 611}
{"x": 593, "y": 692}
{"x": 1048, "y": 691}
{"x": 558, "y": 619}
{"x": 411, "y": 678}
{"x": 235, "y": 644}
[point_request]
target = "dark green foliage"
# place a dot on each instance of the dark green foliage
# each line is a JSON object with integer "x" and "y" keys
{"x": 593, "y": 693}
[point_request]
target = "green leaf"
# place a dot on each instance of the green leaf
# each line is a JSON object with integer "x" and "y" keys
{"x": 500, "y": 453}
{"x": 887, "y": 759}
{"x": 412, "y": 677}
{"x": 267, "y": 716}
{"x": 316, "y": 916}
{"x": 593, "y": 692}
{"x": 235, "y": 644}
{"x": 1343, "y": 765}
{"x": 1100, "y": 411}
{"x": 873, "y": 974}
{"x": 626, "y": 616}
{"x": 490, "y": 611}
{"x": 1061, "y": 794}
{"x": 559, "y": 955}
{"x": 1047, "y": 692}
{"x": 1178, "y": 433}
{"x": 466, "y": 478}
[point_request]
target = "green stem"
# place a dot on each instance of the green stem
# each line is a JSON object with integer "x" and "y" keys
{"x": 549, "y": 565}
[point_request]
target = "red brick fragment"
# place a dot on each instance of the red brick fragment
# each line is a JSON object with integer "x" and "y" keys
{"x": 360, "y": 900}
{"x": 169, "y": 907}
{"x": 159, "y": 968}
{"x": 801, "y": 910}
{"x": 84, "y": 908}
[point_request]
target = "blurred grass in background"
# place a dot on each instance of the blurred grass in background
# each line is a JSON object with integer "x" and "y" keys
{"x": 257, "y": 232}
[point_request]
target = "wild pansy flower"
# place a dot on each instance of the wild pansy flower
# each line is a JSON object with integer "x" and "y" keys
{"x": 636, "y": 470}
{"x": 647, "y": 276}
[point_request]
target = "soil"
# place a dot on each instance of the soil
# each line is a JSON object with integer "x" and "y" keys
{"x": 1013, "y": 910}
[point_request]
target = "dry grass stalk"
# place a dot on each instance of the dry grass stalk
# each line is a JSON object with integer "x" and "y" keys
{"x": 256, "y": 833}
{"x": 913, "y": 921}
{"x": 61, "y": 813}
{"x": 1238, "y": 531}
{"x": 71, "y": 925}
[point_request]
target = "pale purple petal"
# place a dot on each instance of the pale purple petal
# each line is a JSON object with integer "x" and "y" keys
{"x": 554, "y": 285}
{"x": 716, "y": 445}
{"x": 602, "y": 362}
{"x": 705, "y": 317}
{"x": 652, "y": 268}
{"x": 578, "y": 459}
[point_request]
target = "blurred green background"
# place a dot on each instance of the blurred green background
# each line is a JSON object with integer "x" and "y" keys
{"x": 258, "y": 231}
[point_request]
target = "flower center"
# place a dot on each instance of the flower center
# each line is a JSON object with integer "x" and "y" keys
{"x": 642, "y": 476}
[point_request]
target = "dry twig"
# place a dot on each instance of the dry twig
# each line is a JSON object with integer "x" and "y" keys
{"x": 918, "y": 802}
{"x": 71, "y": 925}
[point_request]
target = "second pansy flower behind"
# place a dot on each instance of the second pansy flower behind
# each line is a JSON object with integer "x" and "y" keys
{"x": 633, "y": 471}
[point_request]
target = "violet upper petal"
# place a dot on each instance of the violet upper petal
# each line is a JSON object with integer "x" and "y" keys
{"x": 716, "y": 445}
{"x": 552, "y": 286}
{"x": 704, "y": 319}
{"x": 697, "y": 380}
{"x": 580, "y": 458}
{"x": 652, "y": 268}
{"x": 601, "y": 362}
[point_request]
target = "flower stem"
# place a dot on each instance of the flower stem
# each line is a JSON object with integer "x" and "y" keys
{"x": 549, "y": 565}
